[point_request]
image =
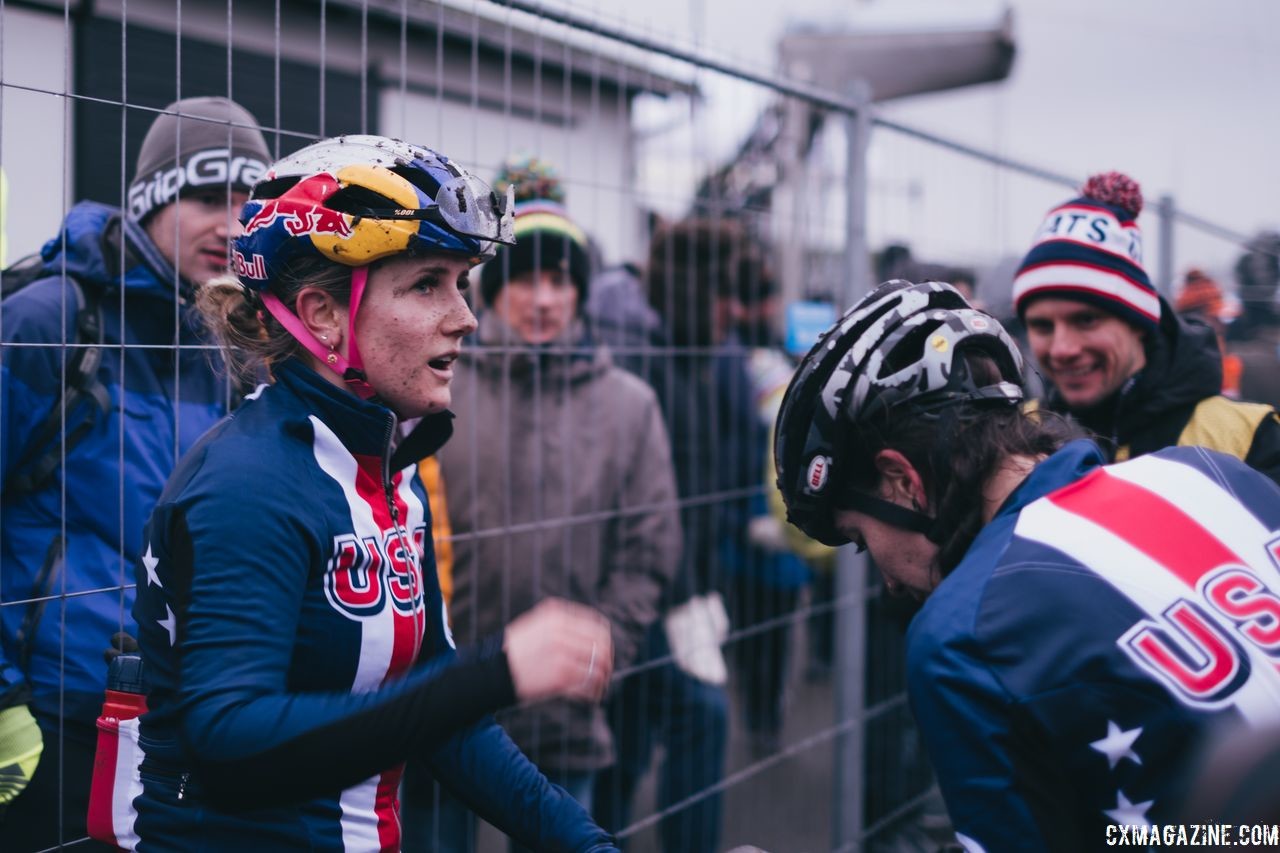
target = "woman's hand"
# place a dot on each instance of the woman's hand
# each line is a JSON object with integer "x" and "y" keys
{"x": 559, "y": 649}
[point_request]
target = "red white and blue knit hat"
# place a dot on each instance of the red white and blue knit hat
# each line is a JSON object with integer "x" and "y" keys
{"x": 1090, "y": 249}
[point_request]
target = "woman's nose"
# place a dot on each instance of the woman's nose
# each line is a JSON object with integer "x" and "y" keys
{"x": 458, "y": 320}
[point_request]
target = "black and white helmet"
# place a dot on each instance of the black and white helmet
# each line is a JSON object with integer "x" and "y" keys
{"x": 894, "y": 350}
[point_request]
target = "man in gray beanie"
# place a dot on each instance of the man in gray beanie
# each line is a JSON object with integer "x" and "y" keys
{"x": 196, "y": 167}
{"x": 86, "y": 443}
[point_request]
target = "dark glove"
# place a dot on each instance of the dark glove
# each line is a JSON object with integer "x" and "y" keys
{"x": 121, "y": 644}
{"x": 20, "y": 746}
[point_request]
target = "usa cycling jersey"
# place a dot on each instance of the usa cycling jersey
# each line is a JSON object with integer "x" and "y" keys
{"x": 1101, "y": 626}
{"x": 296, "y": 643}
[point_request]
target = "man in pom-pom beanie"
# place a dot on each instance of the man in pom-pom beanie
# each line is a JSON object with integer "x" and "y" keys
{"x": 1119, "y": 358}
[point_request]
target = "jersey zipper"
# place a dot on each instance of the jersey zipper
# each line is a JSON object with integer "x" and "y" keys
{"x": 415, "y": 565}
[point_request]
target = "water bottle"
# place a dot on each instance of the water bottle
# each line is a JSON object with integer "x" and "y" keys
{"x": 115, "y": 765}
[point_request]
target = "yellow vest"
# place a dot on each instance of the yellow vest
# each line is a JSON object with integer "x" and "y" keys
{"x": 1221, "y": 424}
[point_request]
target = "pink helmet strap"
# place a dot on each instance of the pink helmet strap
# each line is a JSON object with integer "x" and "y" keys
{"x": 350, "y": 369}
{"x": 359, "y": 278}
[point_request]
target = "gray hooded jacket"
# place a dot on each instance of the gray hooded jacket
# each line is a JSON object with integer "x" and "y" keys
{"x": 559, "y": 483}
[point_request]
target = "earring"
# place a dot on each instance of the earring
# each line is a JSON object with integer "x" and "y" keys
{"x": 332, "y": 357}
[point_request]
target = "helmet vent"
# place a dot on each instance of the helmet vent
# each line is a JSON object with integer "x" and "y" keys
{"x": 419, "y": 178}
{"x": 354, "y": 197}
{"x": 275, "y": 187}
{"x": 909, "y": 349}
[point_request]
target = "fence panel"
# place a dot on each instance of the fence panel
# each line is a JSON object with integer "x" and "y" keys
{"x": 694, "y": 186}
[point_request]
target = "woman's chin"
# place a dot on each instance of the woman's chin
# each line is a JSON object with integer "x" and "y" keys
{"x": 420, "y": 409}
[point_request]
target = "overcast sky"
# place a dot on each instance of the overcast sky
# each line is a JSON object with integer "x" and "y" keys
{"x": 1184, "y": 95}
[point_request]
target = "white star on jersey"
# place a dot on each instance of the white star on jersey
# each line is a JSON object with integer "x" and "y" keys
{"x": 1128, "y": 814}
{"x": 170, "y": 624}
{"x": 1118, "y": 744}
{"x": 149, "y": 562}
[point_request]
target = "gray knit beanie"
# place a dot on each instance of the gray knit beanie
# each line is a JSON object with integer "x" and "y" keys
{"x": 194, "y": 144}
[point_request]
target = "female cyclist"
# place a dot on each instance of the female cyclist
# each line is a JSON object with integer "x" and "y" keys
{"x": 290, "y": 617}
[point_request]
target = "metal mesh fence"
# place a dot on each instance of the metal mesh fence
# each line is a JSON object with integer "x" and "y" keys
{"x": 804, "y": 739}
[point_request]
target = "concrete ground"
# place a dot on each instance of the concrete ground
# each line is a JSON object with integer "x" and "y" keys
{"x": 779, "y": 805}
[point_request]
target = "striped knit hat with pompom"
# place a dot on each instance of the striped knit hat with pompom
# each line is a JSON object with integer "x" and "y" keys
{"x": 1090, "y": 249}
{"x": 546, "y": 238}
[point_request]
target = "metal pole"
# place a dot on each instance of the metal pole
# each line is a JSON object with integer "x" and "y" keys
{"x": 848, "y": 796}
{"x": 857, "y": 255}
{"x": 1166, "y": 209}
{"x": 847, "y": 817}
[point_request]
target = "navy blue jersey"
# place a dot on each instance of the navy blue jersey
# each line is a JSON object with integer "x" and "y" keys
{"x": 1105, "y": 623}
{"x": 297, "y": 646}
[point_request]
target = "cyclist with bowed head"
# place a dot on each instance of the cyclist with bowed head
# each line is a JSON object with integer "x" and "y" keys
{"x": 290, "y": 617}
{"x": 1084, "y": 627}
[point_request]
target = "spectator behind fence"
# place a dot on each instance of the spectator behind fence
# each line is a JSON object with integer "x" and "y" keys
{"x": 1201, "y": 297}
{"x": 1121, "y": 361}
{"x": 1084, "y": 628}
{"x": 673, "y": 335}
{"x": 288, "y": 607}
{"x": 1255, "y": 335}
{"x": 764, "y": 576}
{"x": 572, "y": 453}
{"x": 118, "y": 287}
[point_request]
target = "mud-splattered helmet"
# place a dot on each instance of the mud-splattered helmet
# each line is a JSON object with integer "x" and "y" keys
{"x": 895, "y": 349}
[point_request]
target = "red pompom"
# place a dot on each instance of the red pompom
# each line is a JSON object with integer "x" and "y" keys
{"x": 1116, "y": 189}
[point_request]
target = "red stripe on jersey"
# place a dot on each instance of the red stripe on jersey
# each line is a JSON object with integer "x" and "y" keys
{"x": 405, "y": 626}
{"x": 408, "y": 626}
{"x": 387, "y": 807}
{"x": 369, "y": 488}
{"x": 1148, "y": 522}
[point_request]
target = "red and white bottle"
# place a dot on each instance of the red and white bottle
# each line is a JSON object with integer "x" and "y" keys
{"x": 115, "y": 765}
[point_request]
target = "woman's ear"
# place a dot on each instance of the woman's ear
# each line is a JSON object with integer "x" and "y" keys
{"x": 900, "y": 481}
{"x": 323, "y": 315}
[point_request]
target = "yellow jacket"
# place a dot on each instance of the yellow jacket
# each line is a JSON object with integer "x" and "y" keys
{"x": 441, "y": 532}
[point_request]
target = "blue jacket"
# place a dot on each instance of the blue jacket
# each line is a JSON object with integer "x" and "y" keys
{"x": 1100, "y": 626}
{"x": 297, "y": 646}
{"x": 162, "y": 399}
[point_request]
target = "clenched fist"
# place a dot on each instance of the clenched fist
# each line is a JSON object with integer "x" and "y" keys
{"x": 559, "y": 649}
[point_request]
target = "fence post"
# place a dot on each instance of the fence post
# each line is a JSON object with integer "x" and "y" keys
{"x": 847, "y": 817}
{"x": 1166, "y": 209}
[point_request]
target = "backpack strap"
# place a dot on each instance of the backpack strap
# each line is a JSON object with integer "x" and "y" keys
{"x": 35, "y": 466}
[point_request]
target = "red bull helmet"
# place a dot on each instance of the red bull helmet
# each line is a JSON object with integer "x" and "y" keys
{"x": 357, "y": 199}
{"x": 354, "y": 200}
